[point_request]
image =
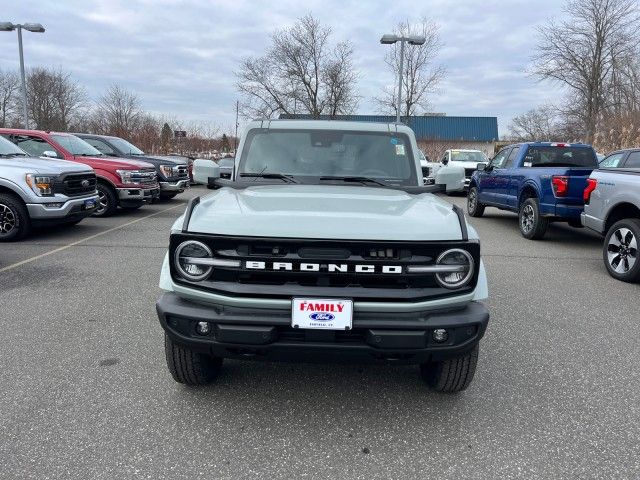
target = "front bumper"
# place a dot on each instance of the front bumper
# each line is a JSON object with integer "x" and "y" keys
{"x": 174, "y": 186}
{"x": 266, "y": 334}
{"x": 70, "y": 210}
{"x": 139, "y": 195}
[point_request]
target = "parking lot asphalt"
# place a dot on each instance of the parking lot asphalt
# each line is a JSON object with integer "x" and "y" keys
{"x": 85, "y": 392}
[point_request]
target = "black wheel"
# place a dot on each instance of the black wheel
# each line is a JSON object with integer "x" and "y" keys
{"x": 621, "y": 250}
{"x": 189, "y": 367}
{"x": 532, "y": 225}
{"x": 107, "y": 201}
{"x": 474, "y": 207}
{"x": 167, "y": 196}
{"x": 453, "y": 375}
{"x": 14, "y": 218}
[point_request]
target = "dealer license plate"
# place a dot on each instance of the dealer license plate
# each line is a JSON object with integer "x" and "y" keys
{"x": 89, "y": 204}
{"x": 321, "y": 313}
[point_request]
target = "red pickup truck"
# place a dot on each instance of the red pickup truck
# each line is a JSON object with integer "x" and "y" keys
{"x": 121, "y": 182}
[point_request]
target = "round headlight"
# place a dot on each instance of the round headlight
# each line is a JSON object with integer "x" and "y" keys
{"x": 191, "y": 260}
{"x": 461, "y": 271}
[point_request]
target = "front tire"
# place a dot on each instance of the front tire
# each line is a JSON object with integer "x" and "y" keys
{"x": 532, "y": 225}
{"x": 452, "y": 375}
{"x": 15, "y": 223}
{"x": 107, "y": 201}
{"x": 620, "y": 251}
{"x": 189, "y": 367}
{"x": 474, "y": 207}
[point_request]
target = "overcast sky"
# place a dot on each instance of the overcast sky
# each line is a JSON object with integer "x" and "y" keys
{"x": 180, "y": 56}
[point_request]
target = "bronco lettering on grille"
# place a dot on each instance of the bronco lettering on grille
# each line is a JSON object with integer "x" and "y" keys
{"x": 316, "y": 267}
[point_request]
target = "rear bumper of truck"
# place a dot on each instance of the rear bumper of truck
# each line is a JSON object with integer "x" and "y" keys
{"x": 56, "y": 211}
{"x": 592, "y": 223}
{"x": 267, "y": 334}
{"x": 561, "y": 211}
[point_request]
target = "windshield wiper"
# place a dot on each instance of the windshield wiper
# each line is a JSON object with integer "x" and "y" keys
{"x": 90, "y": 155}
{"x": 355, "y": 180}
{"x": 16, "y": 154}
{"x": 279, "y": 176}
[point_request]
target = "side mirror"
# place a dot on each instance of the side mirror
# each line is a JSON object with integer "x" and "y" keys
{"x": 50, "y": 154}
{"x": 203, "y": 170}
{"x": 445, "y": 161}
{"x": 452, "y": 178}
{"x": 481, "y": 167}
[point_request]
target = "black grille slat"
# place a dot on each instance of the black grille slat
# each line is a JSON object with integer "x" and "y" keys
{"x": 468, "y": 172}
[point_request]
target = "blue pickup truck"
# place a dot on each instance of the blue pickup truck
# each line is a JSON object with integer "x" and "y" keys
{"x": 542, "y": 182}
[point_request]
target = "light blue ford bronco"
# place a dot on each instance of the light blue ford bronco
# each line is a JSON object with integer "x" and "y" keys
{"x": 324, "y": 245}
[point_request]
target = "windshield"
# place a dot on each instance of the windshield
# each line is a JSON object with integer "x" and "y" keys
{"x": 9, "y": 148}
{"x": 308, "y": 155}
{"x": 560, "y": 157}
{"x": 76, "y": 146}
{"x": 473, "y": 156}
{"x": 125, "y": 147}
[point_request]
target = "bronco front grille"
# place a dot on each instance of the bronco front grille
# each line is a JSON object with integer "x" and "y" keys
{"x": 335, "y": 268}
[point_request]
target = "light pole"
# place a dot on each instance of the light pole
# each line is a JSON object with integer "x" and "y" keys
{"x": 390, "y": 39}
{"x": 31, "y": 27}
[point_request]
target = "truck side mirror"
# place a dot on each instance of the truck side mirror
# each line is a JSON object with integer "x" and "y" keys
{"x": 50, "y": 154}
{"x": 481, "y": 167}
{"x": 445, "y": 161}
{"x": 205, "y": 170}
{"x": 452, "y": 178}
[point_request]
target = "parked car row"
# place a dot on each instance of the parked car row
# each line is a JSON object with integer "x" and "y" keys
{"x": 547, "y": 182}
{"x": 55, "y": 177}
{"x": 467, "y": 159}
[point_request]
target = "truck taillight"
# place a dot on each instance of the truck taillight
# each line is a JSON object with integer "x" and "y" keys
{"x": 592, "y": 183}
{"x": 560, "y": 185}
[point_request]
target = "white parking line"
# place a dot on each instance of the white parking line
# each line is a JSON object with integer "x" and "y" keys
{"x": 91, "y": 237}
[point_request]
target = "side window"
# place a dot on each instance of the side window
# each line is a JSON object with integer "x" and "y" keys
{"x": 512, "y": 158}
{"x": 34, "y": 146}
{"x": 633, "y": 161}
{"x": 613, "y": 160}
{"x": 103, "y": 147}
{"x": 445, "y": 157}
{"x": 500, "y": 159}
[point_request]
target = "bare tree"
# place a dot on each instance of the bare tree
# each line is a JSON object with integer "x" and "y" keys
{"x": 420, "y": 77}
{"x": 118, "y": 112}
{"x": 584, "y": 52}
{"x": 9, "y": 93}
{"x": 538, "y": 124}
{"x": 300, "y": 73}
{"x": 54, "y": 100}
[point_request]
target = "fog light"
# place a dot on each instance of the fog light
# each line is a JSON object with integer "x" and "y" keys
{"x": 203, "y": 328}
{"x": 440, "y": 335}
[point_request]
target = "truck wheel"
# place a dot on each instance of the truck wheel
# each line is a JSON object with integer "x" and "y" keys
{"x": 621, "y": 250}
{"x": 532, "y": 225}
{"x": 453, "y": 375}
{"x": 14, "y": 218}
{"x": 474, "y": 207}
{"x": 107, "y": 201}
{"x": 189, "y": 367}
